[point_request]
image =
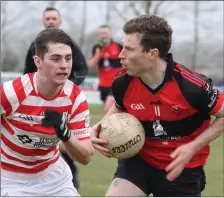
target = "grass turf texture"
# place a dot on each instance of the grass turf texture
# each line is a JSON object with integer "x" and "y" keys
{"x": 97, "y": 175}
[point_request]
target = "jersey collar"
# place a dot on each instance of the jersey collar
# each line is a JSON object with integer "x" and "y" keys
{"x": 168, "y": 74}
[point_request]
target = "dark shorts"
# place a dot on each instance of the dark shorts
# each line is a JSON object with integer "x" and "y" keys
{"x": 153, "y": 181}
{"x": 104, "y": 92}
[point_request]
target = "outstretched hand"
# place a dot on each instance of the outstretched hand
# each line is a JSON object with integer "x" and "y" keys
{"x": 181, "y": 156}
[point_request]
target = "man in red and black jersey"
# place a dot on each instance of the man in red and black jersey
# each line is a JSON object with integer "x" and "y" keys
{"x": 105, "y": 56}
{"x": 174, "y": 104}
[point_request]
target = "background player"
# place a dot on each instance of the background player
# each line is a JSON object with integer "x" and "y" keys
{"x": 105, "y": 57}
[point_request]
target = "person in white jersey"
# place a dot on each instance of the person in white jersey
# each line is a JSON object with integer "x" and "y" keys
{"x": 38, "y": 111}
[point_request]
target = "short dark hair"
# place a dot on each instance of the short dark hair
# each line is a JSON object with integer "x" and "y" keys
{"x": 50, "y": 36}
{"x": 51, "y": 9}
{"x": 104, "y": 26}
{"x": 155, "y": 32}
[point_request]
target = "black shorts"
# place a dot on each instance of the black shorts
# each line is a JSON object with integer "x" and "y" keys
{"x": 153, "y": 181}
{"x": 104, "y": 92}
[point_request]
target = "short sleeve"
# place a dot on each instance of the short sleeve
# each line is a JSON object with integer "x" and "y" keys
{"x": 13, "y": 93}
{"x": 79, "y": 122}
{"x": 198, "y": 90}
{"x": 210, "y": 99}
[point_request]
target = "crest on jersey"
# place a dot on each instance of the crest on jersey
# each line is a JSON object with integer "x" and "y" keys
{"x": 176, "y": 109}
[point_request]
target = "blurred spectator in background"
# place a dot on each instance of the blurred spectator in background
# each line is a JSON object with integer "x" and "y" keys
{"x": 52, "y": 19}
{"x": 105, "y": 56}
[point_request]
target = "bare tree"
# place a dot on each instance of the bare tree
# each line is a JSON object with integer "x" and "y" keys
{"x": 118, "y": 11}
{"x": 8, "y": 58}
{"x": 52, "y": 3}
{"x": 134, "y": 8}
{"x": 157, "y": 7}
{"x": 199, "y": 11}
{"x": 3, "y": 25}
{"x": 6, "y": 21}
{"x": 137, "y": 8}
{"x": 3, "y": 14}
{"x": 108, "y": 12}
{"x": 148, "y": 5}
{"x": 75, "y": 24}
{"x": 196, "y": 34}
{"x": 83, "y": 24}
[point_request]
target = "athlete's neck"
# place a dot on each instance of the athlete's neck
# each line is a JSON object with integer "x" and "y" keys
{"x": 46, "y": 88}
{"x": 155, "y": 74}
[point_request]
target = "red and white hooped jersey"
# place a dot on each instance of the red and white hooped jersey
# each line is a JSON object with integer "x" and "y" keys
{"x": 26, "y": 145}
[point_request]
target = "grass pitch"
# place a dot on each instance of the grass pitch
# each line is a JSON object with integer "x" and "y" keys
{"x": 97, "y": 175}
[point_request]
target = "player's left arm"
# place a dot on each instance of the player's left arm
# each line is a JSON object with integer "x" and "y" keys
{"x": 79, "y": 150}
{"x": 212, "y": 132}
{"x": 209, "y": 100}
{"x": 212, "y": 100}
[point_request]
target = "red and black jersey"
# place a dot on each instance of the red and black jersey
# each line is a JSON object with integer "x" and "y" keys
{"x": 173, "y": 114}
{"x": 109, "y": 64}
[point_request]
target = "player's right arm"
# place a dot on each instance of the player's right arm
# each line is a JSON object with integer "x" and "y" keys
{"x": 117, "y": 107}
{"x": 9, "y": 100}
{"x": 97, "y": 143}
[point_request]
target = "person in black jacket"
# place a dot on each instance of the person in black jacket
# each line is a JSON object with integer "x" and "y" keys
{"x": 52, "y": 19}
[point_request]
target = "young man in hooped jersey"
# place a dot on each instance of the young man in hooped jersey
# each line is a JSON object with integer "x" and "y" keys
{"x": 52, "y": 19}
{"x": 174, "y": 105}
{"x": 39, "y": 110}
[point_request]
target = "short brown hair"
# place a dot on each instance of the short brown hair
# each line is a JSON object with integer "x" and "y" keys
{"x": 48, "y": 36}
{"x": 154, "y": 30}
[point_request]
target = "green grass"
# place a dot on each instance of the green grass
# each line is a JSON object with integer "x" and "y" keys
{"x": 215, "y": 169}
{"x": 96, "y": 110}
{"x": 97, "y": 175}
